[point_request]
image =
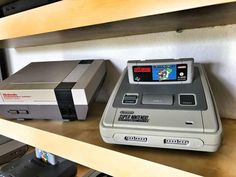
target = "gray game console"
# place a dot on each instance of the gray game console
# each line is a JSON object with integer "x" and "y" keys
{"x": 60, "y": 90}
{"x": 175, "y": 116}
{"x": 10, "y": 149}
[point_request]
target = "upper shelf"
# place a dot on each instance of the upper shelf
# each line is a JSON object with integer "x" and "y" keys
{"x": 74, "y": 20}
{"x": 80, "y": 141}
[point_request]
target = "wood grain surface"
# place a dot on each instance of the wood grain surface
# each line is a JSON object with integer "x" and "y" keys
{"x": 75, "y": 20}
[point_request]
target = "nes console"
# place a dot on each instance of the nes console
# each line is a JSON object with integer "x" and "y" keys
{"x": 163, "y": 103}
{"x": 60, "y": 90}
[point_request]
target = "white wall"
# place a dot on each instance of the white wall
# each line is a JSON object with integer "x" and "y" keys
{"x": 215, "y": 47}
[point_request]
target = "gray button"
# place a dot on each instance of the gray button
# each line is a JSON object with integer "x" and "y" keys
{"x": 13, "y": 112}
{"x": 130, "y": 99}
{"x": 23, "y": 112}
{"x": 187, "y": 100}
{"x": 157, "y": 99}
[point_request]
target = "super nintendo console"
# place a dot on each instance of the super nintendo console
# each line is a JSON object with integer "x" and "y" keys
{"x": 163, "y": 103}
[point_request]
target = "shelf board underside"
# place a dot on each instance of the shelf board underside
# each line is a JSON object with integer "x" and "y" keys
{"x": 209, "y": 16}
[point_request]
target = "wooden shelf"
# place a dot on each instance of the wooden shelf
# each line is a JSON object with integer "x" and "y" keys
{"x": 75, "y": 20}
{"x": 80, "y": 141}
